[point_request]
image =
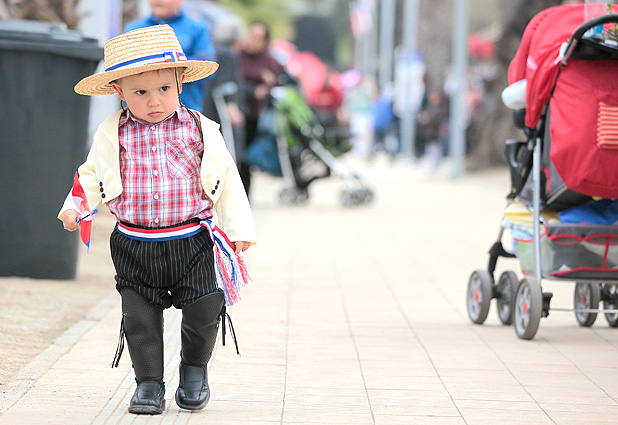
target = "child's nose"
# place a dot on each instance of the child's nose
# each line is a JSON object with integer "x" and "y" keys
{"x": 153, "y": 100}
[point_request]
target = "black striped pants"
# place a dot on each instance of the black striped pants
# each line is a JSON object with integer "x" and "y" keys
{"x": 166, "y": 273}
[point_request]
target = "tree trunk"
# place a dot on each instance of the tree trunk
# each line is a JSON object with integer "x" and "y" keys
{"x": 494, "y": 125}
{"x": 435, "y": 38}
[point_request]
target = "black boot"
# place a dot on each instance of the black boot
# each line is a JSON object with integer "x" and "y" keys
{"x": 143, "y": 328}
{"x": 200, "y": 323}
{"x": 148, "y": 398}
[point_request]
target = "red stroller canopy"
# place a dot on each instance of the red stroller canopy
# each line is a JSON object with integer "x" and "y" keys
{"x": 582, "y": 96}
{"x": 536, "y": 59}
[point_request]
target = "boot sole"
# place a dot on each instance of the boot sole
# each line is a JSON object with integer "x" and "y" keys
{"x": 147, "y": 410}
{"x": 191, "y": 406}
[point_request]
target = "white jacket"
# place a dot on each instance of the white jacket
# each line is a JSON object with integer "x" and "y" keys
{"x": 101, "y": 180}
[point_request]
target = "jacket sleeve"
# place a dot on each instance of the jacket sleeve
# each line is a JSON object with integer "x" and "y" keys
{"x": 232, "y": 208}
{"x": 223, "y": 185}
{"x": 89, "y": 182}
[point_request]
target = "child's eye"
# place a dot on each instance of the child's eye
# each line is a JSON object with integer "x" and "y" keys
{"x": 141, "y": 92}
{"x": 165, "y": 88}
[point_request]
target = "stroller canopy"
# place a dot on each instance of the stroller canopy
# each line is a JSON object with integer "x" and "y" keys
{"x": 536, "y": 60}
{"x": 582, "y": 99}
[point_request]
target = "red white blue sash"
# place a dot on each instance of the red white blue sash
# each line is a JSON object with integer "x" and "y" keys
{"x": 230, "y": 268}
{"x": 160, "y": 235}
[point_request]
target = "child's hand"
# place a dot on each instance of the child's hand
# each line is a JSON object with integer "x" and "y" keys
{"x": 241, "y": 246}
{"x": 69, "y": 220}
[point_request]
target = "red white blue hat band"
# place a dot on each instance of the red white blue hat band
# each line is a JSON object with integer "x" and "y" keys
{"x": 165, "y": 57}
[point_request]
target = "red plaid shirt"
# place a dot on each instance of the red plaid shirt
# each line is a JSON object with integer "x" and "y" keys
{"x": 160, "y": 169}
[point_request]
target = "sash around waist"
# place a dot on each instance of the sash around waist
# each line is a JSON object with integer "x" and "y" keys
{"x": 180, "y": 231}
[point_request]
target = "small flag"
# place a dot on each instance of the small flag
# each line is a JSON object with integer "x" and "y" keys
{"x": 85, "y": 220}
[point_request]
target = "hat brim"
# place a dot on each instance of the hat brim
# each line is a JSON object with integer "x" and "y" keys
{"x": 99, "y": 84}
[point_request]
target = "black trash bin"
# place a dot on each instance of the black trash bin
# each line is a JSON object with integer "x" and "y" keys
{"x": 43, "y": 138}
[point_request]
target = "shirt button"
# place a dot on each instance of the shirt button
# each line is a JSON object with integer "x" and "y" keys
{"x": 156, "y": 221}
{"x": 156, "y": 172}
{"x": 154, "y": 148}
{"x": 156, "y": 196}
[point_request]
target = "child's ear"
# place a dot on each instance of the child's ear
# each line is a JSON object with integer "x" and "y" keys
{"x": 118, "y": 89}
{"x": 182, "y": 79}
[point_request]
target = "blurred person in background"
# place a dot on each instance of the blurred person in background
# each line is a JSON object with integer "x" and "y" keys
{"x": 384, "y": 123}
{"x": 434, "y": 126}
{"x": 357, "y": 109}
{"x": 261, "y": 73}
{"x": 229, "y": 81}
{"x": 194, "y": 38}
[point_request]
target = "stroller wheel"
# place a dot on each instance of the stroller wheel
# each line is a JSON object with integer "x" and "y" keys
{"x": 479, "y": 295}
{"x": 507, "y": 285}
{"x": 612, "y": 318}
{"x": 349, "y": 198}
{"x": 528, "y": 308}
{"x": 293, "y": 196}
{"x": 354, "y": 197}
{"x": 367, "y": 196}
{"x": 586, "y": 296}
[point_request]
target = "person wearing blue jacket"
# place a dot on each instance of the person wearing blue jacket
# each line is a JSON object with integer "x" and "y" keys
{"x": 194, "y": 37}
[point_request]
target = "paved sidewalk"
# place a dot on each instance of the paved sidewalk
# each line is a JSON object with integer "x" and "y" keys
{"x": 355, "y": 316}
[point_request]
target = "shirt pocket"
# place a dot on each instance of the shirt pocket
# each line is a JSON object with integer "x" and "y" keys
{"x": 183, "y": 158}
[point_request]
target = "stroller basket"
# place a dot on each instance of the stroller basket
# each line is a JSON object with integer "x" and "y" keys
{"x": 570, "y": 251}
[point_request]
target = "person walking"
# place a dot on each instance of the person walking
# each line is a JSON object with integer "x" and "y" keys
{"x": 163, "y": 171}
{"x": 261, "y": 73}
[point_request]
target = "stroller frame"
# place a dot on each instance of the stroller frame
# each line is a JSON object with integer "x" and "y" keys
{"x": 523, "y": 303}
{"x": 357, "y": 191}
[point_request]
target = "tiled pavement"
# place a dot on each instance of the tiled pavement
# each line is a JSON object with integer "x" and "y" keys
{"x": 355, "y": 316}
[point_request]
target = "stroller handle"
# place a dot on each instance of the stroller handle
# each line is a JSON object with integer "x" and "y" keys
{"x": 581, "y": 30}
{"x": 601, "y": 20}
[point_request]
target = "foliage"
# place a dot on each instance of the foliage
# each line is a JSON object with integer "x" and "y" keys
{"x": 275, "y": 13}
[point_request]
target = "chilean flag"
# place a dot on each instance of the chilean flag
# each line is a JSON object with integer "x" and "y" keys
{"x": 85, "y": 220}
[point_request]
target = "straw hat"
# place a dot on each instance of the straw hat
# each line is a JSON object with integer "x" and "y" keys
{"x": 141, "y": 50}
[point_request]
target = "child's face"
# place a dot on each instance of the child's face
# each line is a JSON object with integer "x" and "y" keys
{"x": 151, "y": 96}
{"x": 163, "y": 9}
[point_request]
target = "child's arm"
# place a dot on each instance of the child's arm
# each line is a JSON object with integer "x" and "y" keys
{"x": 69, "y": 220}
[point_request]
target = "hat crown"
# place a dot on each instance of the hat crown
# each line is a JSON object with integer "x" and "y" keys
{"x": 140, "y": 43}
{"x": 143, "y": 50}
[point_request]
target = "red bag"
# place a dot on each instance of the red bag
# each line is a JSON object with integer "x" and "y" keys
{"x": 584, "y": 127}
